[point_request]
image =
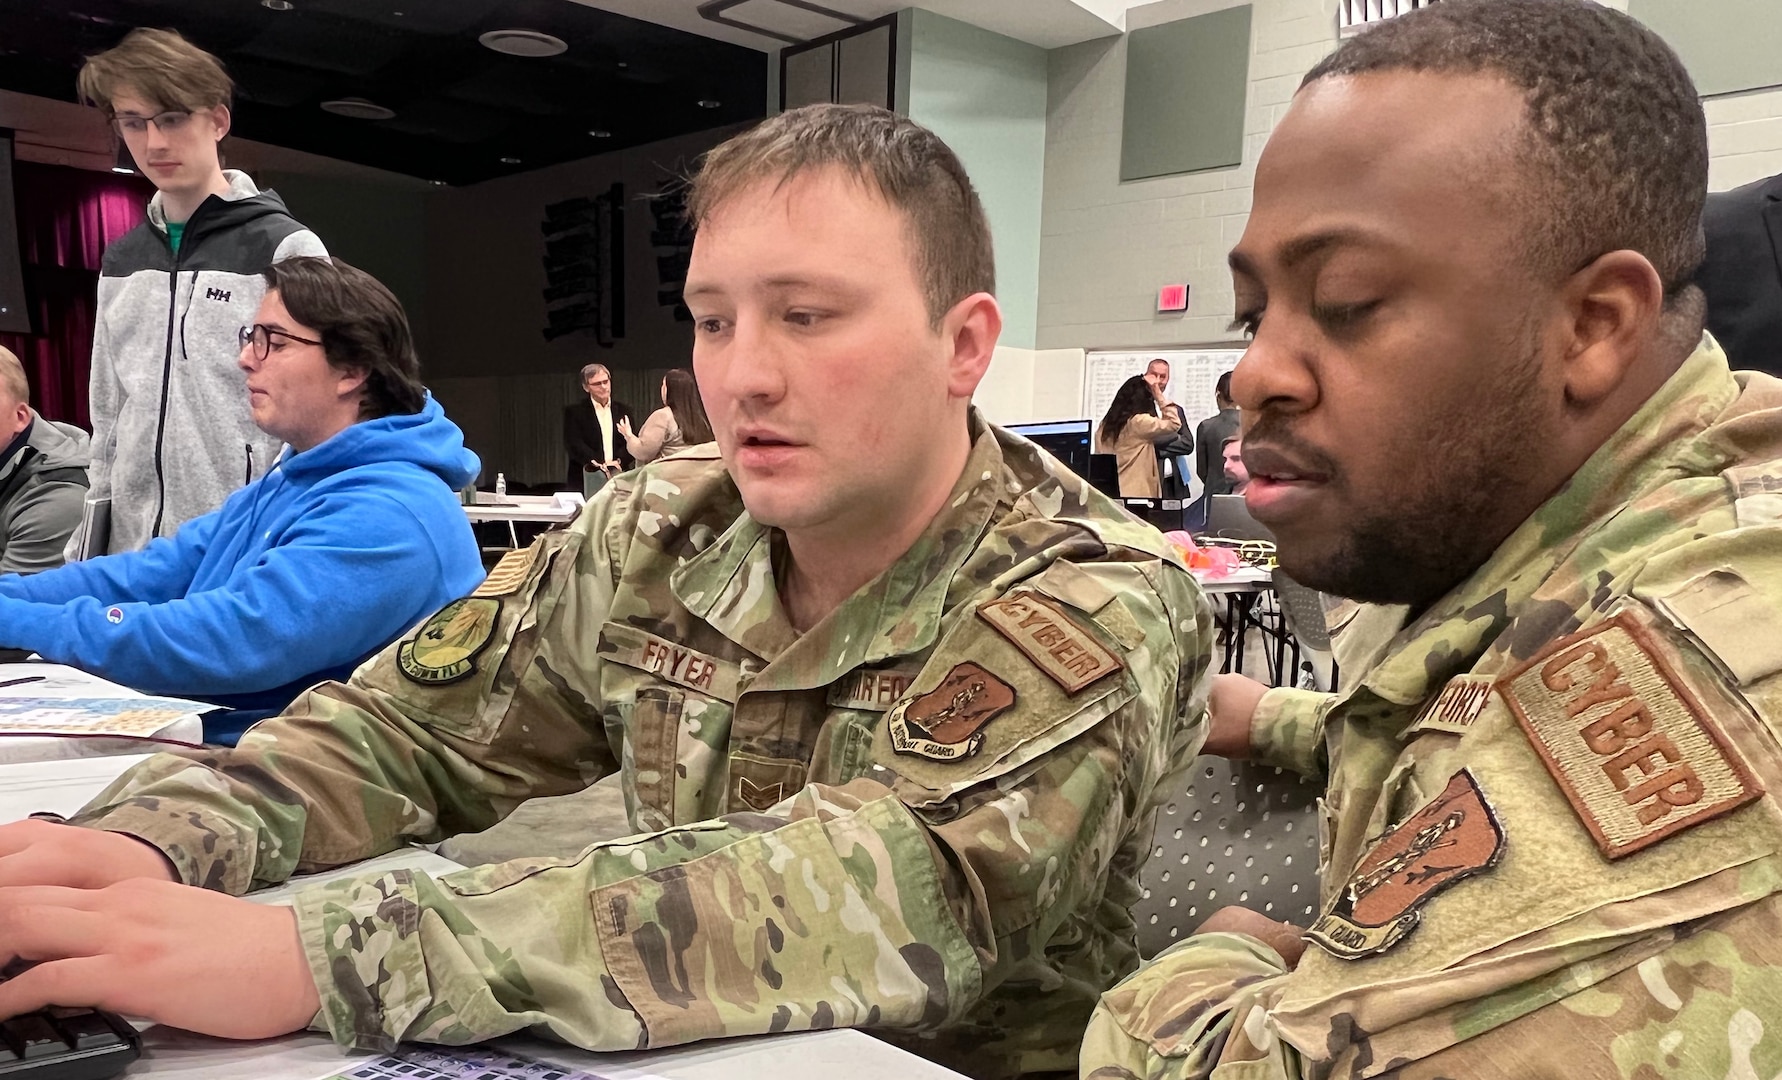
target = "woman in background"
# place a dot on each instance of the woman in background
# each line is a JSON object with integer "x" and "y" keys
{"x": 1131, "y": 431}
{"x": 680, "y": 422}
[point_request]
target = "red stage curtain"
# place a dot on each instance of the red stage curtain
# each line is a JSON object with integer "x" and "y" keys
{"x": 66, "y": 217}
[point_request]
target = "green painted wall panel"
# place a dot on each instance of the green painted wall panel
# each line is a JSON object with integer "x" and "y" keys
{"x": 1185, "y": 87}
{"x": 985, "y": 94}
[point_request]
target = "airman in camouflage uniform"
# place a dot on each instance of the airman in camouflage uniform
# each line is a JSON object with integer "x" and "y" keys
{"x": 918, "y": 809}
{"x": 1550, "y": 841}
{"x": 795, "y": 869}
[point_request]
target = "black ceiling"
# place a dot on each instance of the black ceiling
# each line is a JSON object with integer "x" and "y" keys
{"x": 460, "y": 108}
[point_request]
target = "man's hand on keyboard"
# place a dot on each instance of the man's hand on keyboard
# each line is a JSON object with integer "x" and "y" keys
{"x": 177, "y": 955}
{"x": 45, "y": 853}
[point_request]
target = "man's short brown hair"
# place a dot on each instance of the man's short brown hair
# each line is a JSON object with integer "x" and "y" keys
{"x": 13, "y": 384}
{"x": 909, "y": 165}
{"x": 362, "y": 327}
{"x": 159, "y": 66}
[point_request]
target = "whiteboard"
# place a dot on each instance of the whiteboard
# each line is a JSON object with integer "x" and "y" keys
{"x": 1192, "y": 374}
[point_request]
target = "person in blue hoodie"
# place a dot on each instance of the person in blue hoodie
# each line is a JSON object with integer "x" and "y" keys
{"x": 355, "y": 535}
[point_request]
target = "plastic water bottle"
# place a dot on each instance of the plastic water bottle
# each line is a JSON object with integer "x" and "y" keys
{"x": 500, "y": 487}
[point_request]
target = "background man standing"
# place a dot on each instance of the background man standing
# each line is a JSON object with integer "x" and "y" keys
{"x": 1174, "y": 453}
{"x": 43, "y": 478}
{"x": 171, "y": 432}
{"x": 591, "y": 433}
{"x": 1211, "y": 436}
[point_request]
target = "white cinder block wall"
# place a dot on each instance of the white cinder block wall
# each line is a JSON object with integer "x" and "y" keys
{"x": 1107, "y": 246}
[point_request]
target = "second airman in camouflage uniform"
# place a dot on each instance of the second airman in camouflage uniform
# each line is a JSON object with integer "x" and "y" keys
{"x": 1550, "y": 836}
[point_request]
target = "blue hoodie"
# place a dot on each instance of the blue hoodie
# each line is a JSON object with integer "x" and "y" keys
{"x": 299, "y": 577}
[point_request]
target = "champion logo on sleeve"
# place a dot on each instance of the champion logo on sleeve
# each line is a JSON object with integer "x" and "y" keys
{"x": 114, "y": 615}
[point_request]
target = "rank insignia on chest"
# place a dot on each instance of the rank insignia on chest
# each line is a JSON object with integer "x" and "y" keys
{"x": 1068, "y": 654}
{"x": 1453, "y": 837}
{"x": 445, "y": 648}
{"x": 1628, "y": 743}
{"x": 947, "y": 723}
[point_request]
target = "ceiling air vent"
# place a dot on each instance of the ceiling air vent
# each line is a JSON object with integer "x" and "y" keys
{"x": 523, "y": 43}
{"x": 357, "y": 109}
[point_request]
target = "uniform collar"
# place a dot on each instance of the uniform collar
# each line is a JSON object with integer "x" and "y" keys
{"x": 1661, "y": 438}
{"x": 731, "y": 585}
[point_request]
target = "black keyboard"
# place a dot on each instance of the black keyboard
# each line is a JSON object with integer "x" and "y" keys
{"x": 65, "y": 1044}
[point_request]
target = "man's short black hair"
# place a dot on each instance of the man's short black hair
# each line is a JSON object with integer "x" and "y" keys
{"x": 1222, "y": 386}
{"x": 1618, "y": 153}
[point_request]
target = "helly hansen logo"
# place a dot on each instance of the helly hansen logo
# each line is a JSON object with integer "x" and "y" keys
{"x": 217, "y": 294}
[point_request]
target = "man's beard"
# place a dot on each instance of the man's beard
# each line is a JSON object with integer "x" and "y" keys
{"x": 1449, "y": 509}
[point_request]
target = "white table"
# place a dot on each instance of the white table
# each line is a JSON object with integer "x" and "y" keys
{"x": 538, "y": 509}
{"x": 57, "y": 680}
{"x": 1243, "y": 579}
{"x": 62, "y": 787}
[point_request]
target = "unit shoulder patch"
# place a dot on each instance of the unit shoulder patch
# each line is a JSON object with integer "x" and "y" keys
{"x": 1070, "y": 656}
{"x": 1628, "y": 743}
{"x": 444, "y": 649}
{"x": 1453, "y": 837}
{"x": 947, "y": 723}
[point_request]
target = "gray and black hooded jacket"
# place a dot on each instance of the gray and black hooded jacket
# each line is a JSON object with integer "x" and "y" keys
{"x": 43, "y": 482}
{"x": 172, "y": 434}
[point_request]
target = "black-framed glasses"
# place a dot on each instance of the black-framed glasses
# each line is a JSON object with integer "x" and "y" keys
{"x": 166, "y": 123}
{"x": 260, "y": 336}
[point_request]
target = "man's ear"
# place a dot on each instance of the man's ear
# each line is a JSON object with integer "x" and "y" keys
{"x": 219, "y": 115}
{"x": 1612, "y": 308}
{"x": 972, "y": 328}
{"x": 351, "y": 380}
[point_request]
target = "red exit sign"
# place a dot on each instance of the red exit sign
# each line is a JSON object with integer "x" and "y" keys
{"x": 1172, "y": 298}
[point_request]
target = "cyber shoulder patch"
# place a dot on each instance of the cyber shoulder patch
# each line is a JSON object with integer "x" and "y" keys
{"x": 1453, "y": 837}
{"x": 1068, "y": 654}
{"x": 1630, "y": 746}
{"x": 509, "y": 574}
{"x": 444, "y": 649}
{"x": 947, "y": 723}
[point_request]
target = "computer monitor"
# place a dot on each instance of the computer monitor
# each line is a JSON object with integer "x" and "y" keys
{"x": 1229, "y": 519}
{"x": 1066, "y": 440}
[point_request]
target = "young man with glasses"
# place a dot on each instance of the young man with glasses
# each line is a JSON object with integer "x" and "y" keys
{"x": 351, "y": 537}
{"x": 170, "y": 437}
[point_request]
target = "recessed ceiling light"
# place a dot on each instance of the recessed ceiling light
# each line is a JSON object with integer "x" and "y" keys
{"x": 276, "y": 5}
{"x": 623, "y": 66}
{"x": 358, "y": 109}
{"x": 510, "y": 161}
{"x": 121, "y": 171}
{"x": 438, "y": 183}
{"x": 709, "y": 103}
{"x": 601, "y": 133}
{"x": 523, "y": 43}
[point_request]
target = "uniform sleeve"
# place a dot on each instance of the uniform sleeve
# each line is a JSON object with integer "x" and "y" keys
{"x": 896, "y": 900}
{"x": 362, "y": 556}
{"x": 42, "y": 520}
{"x": 353, "y": 770}
{"x": 1287, "y": 730}
{"x": 1174, "y": 1017}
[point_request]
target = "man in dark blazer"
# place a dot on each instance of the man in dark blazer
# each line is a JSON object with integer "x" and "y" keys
{"x": 1742, "y": 275}
{"x": 591, "y": 432}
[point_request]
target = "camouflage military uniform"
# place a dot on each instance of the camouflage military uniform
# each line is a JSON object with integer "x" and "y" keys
{"x": 1547, "y": 847}
{"x": 906, "y": 819}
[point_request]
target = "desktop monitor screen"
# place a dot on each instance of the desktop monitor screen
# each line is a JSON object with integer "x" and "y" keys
{"x": 1066, "y": 440}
